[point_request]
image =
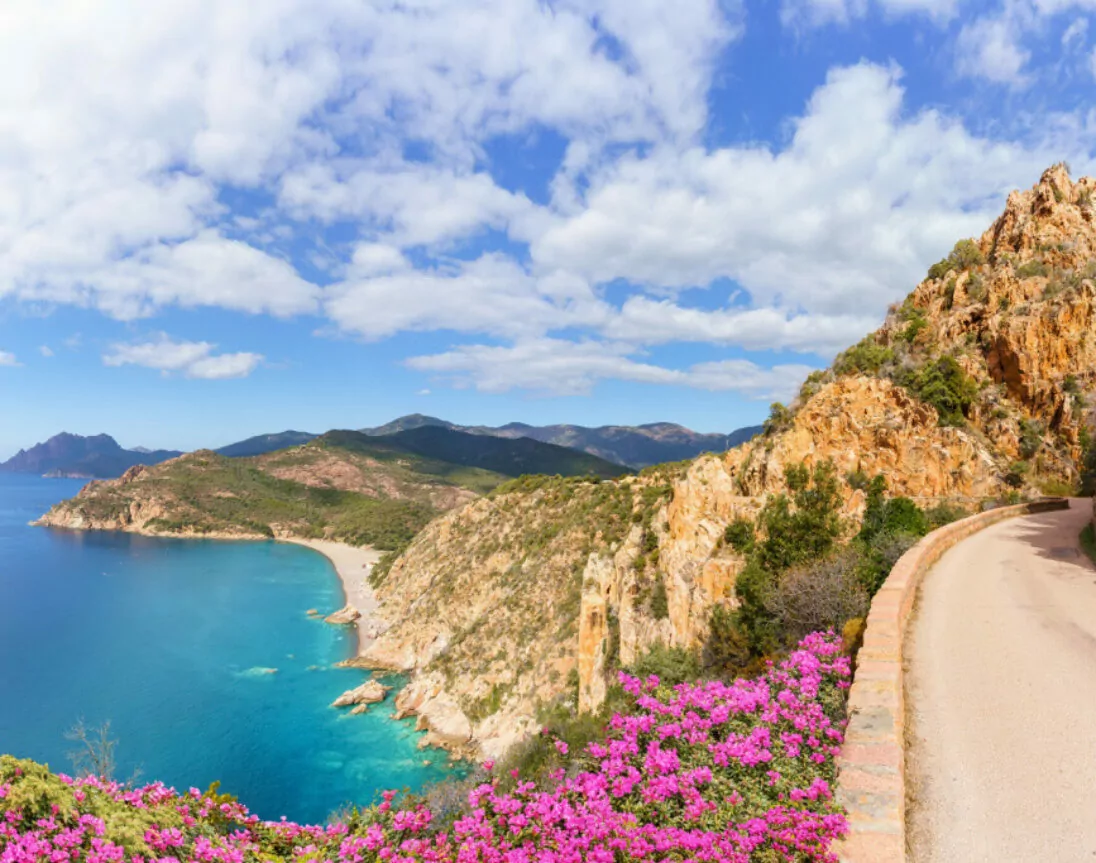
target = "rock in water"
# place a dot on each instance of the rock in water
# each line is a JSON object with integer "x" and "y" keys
{"x": 369, "y": 692}
{"x": 349, "y": 614}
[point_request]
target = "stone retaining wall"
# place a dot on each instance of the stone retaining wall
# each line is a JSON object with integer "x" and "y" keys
{"x": 872, "y": 765}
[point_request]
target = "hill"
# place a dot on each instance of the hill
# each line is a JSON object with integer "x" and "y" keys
{"x": 344, "y": 485}
{"x": 978, "y": 387}
{"x": 264, "y": 443}
{"x": 509, "y": 456}
{"x": 73, "y": 455}
{"x": 632, "y": 446}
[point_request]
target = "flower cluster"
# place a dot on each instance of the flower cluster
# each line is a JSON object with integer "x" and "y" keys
{"x": 703, "y": 772}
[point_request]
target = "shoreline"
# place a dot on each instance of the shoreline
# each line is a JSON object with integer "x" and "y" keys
{"x": 352, "y": 564}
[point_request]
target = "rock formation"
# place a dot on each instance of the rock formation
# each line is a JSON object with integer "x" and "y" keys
{"x": 346, "y": 615}
{"x": 370, "y": 692}
{"x": 500, "y": 607}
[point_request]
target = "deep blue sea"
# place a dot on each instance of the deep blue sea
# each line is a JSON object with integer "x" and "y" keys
{"x": 170, "y": 641}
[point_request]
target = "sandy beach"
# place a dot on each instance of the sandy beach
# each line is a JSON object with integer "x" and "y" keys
{"x": 353, "y": 565}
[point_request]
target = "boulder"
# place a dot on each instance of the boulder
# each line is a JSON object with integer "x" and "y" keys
{"x": 369, "y": 692}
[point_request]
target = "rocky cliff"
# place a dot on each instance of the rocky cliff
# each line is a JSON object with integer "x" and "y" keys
{"x": 975, "y": 387}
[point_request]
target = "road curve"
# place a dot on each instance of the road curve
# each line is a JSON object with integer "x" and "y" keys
{"x": 1001, "y": 698}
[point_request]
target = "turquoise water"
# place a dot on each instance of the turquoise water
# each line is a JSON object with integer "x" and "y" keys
{"x": 169, "y": 640}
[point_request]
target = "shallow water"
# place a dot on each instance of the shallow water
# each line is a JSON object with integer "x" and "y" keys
{"x": 201, "y": 656}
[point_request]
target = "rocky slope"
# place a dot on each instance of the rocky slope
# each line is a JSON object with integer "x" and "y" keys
{"x": 977, "y": 386}
{"x": 633, "y": 446}
{"x": 95, "y": 457}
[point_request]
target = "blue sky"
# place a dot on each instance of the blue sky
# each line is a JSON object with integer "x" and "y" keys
{"x": 221, "y": 218}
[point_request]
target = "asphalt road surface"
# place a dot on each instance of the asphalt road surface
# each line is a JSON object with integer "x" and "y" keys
{"x": 1001, "y": 697}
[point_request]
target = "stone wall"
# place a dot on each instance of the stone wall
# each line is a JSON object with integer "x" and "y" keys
{"x": 872, "y": 766}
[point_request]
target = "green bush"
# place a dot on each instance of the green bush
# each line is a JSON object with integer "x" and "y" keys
{"x": 866, "y": 357}
{"x": 965, "y": 255}
{"x": 799, "y": 526}
{"x": 944, "y": 385}
{"x": 1031, "y": 437}
{"x": 660, "y": 607}
{"x": 1032, "y": 269}
{"x": 740, "y": 535}
{"x": 673, "y": 665}
{"x": 727, "y": 646}
{"x": 779, "y": 419}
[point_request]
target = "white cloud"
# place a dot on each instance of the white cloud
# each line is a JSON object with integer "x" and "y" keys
{"x": 647, "y": 321}
{"x": 990, "y": 48}
{"x": 45, "y": 350}
{"x": 838, "y": 223}
{"x": 492, "y": 294}
{"x": 191, "y": 359}
{"x": 8, "y": 359}
{"x": 1075, "y": 33}
{"x": 801, "y": 14}
{"x": 560, "y": 367}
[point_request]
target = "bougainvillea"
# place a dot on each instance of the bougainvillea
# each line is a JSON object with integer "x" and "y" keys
{"x": 702, "y": 772}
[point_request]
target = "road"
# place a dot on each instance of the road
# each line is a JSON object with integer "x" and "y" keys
{"x": 1001, "y": 697}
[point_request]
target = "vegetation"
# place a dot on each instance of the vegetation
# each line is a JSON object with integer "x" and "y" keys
{"x": 964, "y": 256}
{"x": 943, "y": 384}
{"x": 507, "y": 456}
{"x": 1088, "y": 541}
{"x": 866, "y": 357}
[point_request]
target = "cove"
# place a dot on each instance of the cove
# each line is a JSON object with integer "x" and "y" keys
{"x": 201, "y": 656}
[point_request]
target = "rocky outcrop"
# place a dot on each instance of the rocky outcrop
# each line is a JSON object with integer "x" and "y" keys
{"x": 511, "y": 603}
{"x": 370, "y": 692}
{"x": 344, "y": 616}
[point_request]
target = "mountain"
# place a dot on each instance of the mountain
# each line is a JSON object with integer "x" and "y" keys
{"x": 346, "y": 485}
{"x": 632, "y": 446}
{"x": 94, "y": 457}
{"x": 509, "y": 456}
{"x": 264, "y": 443}
{"x": 979, "y": 386}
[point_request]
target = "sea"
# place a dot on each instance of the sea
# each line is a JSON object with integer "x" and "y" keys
{"x": 201, "y": 656}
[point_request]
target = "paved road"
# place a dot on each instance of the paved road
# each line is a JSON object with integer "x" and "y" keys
{"x": 1002, "y": 698}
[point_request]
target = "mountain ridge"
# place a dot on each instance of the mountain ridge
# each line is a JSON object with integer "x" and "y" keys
{"x": 633, "y": 446}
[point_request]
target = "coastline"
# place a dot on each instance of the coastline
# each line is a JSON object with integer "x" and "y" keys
{"x": 352, "y": 565}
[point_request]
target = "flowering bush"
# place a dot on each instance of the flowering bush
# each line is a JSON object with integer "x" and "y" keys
{"x": 702, "y": 772}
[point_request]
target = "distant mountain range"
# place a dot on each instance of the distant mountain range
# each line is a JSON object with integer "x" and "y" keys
{"x": 100, "y": 456}
{"x": 264, "y": 443}
{"x": 632, "y": 446}
{"x": 346, "y": 485}
{"x": 95, "y": 457}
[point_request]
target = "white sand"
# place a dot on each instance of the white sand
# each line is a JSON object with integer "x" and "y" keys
{"x": 353, "y": 566}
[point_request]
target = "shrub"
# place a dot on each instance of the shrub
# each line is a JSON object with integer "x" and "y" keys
{"x": 865, "y": 357}
{"x": 798, "y": 528}
{"x": 965, "y": 255}
{"x": 740, "y": 535}
{"x": 779, "y": 419}
{"x": 1032, "y": 269}
{"x": 660, "y": 607}
{"x": 917, "y": 324}
{"x": 944, "y": 513}
{"x": 975, "y": 288}
{"x": 944, "y": 385}
{"x": 894, "y": 515}
{"x": 1031, "y": 437}
{"x": 817, "y": 596}
{"x": 727, "y": 646}
{"x": 672, "y": 665}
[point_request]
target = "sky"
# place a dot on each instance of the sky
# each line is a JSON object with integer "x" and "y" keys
{"x": 220, "y": 218}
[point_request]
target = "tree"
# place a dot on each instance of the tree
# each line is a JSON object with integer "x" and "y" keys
{"x": 94, "y": 755}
